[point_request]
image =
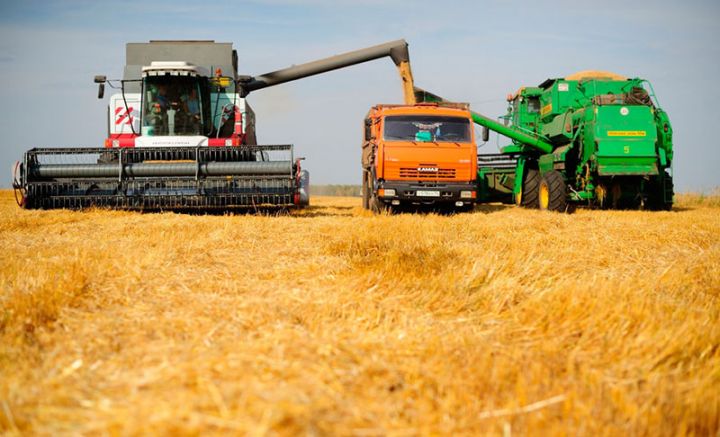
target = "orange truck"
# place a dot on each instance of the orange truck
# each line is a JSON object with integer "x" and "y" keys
{"x": 420, "y": 155}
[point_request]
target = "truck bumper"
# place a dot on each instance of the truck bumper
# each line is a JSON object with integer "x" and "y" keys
{"x": 409, "y": 193}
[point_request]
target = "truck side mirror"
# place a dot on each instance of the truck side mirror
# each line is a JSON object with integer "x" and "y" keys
{"x": 100, "y": 80}
{"x": 485, "y": 134}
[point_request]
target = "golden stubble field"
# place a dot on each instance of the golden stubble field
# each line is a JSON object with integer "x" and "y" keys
{"x": 334, "y": 321}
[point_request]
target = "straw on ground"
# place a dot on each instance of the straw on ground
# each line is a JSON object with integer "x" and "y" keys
{"x": 335, "y": 321}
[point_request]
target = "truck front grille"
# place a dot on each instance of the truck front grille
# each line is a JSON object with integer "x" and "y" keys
{"x": 414, "y": 173}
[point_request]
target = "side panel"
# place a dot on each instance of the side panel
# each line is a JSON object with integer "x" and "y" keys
{"x": 123, "y": 119}
{"x": 626, "y": 140}
{"x": 221, "y": 112}
{"x": 248, "y": 122}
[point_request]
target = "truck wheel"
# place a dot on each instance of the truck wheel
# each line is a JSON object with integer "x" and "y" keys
{"x": 465, "y": 208}
{"x": 528, "y": 197}
{"x": 552, "y": 192}
{"x": 377, "y": 206}
{"x": 365, "y": 190}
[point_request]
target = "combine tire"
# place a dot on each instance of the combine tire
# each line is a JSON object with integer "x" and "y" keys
{"x": 528, "y": 196}
{"x": 552, "y": 192}
{"x": 655, "y": 198}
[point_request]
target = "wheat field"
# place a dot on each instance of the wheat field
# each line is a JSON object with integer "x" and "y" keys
{"x": 332, "y": 321}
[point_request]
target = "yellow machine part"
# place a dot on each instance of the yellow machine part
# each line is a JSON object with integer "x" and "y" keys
{"x": 544, "y": 197}
{"x": 595, "y": 74}
{"x": 407, "y": 82}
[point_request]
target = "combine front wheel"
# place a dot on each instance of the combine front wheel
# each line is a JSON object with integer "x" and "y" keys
{"x": 17, "y": 184}
{"x": 552, "y": 193}
{"x": 528, "y": 195}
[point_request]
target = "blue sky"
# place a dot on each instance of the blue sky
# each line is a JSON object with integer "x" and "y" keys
{"x": 472, "y": 51}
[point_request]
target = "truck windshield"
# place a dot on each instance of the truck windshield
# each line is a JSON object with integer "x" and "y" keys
{"x": 427, "y": 128}
{"x": 172, "y": 106}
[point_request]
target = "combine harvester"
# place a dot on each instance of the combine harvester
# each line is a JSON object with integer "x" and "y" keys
{"x": 591, "y": 138}
{"x": 181, "y": 136}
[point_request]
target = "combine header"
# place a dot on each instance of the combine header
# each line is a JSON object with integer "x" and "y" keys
{"x": 181, "y": 135}
{"x": 156, "y": 178}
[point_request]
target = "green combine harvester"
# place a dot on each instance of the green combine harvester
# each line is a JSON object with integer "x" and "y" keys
{"x": 591, "y": 138}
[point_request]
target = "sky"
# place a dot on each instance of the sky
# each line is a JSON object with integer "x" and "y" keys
{"x": 470, "y": 51}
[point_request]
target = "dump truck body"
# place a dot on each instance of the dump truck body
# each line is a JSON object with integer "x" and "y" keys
{"x": 419, "y": 155}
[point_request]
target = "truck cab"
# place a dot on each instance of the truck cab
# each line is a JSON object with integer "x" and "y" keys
{"x": 421, "y": 155}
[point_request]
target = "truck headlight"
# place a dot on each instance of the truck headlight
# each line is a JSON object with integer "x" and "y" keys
{"x": 467, "y": 194}
{"x": 387, "y": 192}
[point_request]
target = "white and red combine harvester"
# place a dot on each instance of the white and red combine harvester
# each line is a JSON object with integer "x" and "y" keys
{"x": 180, "y": 136}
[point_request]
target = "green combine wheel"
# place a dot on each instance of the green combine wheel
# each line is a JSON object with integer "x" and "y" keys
{"x": 528, "y": 195}
{"x": 552, "y": 192}
{"x": 655, "y": 199}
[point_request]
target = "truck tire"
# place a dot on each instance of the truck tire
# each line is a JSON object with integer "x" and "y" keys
{"x": 552, "y": 192}
{"x": 528, "y": 197}
{"x": 378, "y": 206}
{"x": 465, "y": 208}
{"x": 365, "y": 190}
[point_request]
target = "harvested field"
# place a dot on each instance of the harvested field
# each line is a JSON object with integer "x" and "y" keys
{"x": 334, "y": 321}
